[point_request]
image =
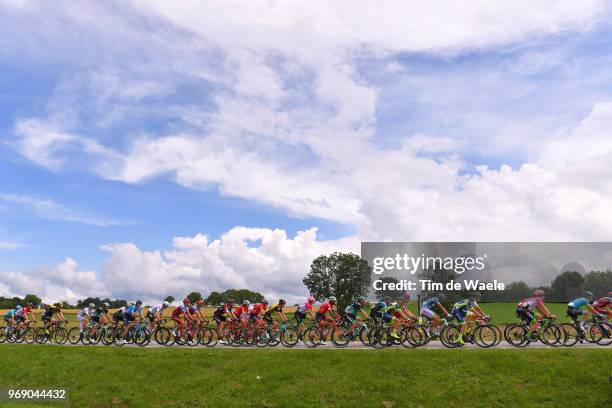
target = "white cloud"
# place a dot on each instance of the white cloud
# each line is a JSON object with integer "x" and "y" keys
{"x": 48, "y": 209}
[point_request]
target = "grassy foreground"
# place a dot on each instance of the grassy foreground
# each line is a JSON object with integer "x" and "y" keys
{"x": 101, "y": 376}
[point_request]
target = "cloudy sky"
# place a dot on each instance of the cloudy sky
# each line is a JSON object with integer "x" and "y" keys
{"x": 150, "y": 147}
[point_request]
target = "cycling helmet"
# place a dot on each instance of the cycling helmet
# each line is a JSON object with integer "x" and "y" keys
{"x": 264, "y": 301}
{"x": 406, "y": 296}
{"x": 361, "y": 299}
{"x": 138, "y": 302}
{"x": 17, "y": 307}
{"x": 441, "y": 297}
{"x": 30, "y": 304}
{"x": 475, "y": 295}
{"x": 310, "y": 299}
{"x": 56, "y": 304}
{"x": 200, "y": 301}
{"x": 589, "y": 294}
{"x": 230, "y": 300}
{"x": 165, "y": 304}
{"x": 538, "y": 293}
{"x": 92, "y": 305}
{"x": 281, "y": 301}
{"x": 186, "y": 301}
{"x": 332, "y": 299}
{"x": 245, "y": 302}
{"x": 106, "y": 304}
{"x": 393, "y": 304}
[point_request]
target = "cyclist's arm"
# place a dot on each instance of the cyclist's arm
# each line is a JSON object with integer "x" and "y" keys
{"x": 363, "y": 314}
{"x": 282, "y": 315}
{"x": 408, "y": 313}
{"x": 443, "y": 309}
{"x": 478, "y": 311}
{"x": 544, "y": 310}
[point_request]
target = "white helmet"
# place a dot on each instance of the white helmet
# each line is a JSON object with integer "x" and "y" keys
{"x": 92, "y": 305}
{"x": 165, "y": 304}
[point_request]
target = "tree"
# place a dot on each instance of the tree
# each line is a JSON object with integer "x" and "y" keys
{"x": 566, "y": 286}
{"x": 343, "y": 275}
{"x": 216, "y": 298}
{"x": 35, "y": 300}
{"x": 193, "y": 296}
{"x": 442, "y": 276}
{"x": 169, "y": 299}
{"x": 598, "y": 282}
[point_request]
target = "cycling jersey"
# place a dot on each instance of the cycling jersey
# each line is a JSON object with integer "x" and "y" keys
{"x": 304, "y": 308}
{"x": 376, "y": 309}
{"x": 21, "y": 313}
{"x": 241, "y": 311}
{"x": 222, "y": 310}
{"x": 578, "y": 303}
{"x": 10, "y": 314}
{"x": 602, "y": 303}
{"x": 258, "y": 308}
{"x": 176, "y": 313}
{"x": 430, "y": 303}
{"x": 353, "y": 309}
{"x": 464, "y": 305}
{"x": 84, "y": 312}
{"x": 50, "y": 311}
{"x": 274, "y": 308}
{"x": 324, "y": 308}
{"x": 531, "y": 303}
{"x": 155, "y": 309}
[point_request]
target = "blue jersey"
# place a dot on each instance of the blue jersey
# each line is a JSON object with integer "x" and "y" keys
{"x": 578, "y": 303}
{"x": 430, "y": 303}
{"x": 132, "y": 309}
{"x": 10, "y": 314}
{"x": 378, "y": 307}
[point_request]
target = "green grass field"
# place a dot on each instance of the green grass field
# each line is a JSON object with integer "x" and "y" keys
{"x": 101, "y": 376}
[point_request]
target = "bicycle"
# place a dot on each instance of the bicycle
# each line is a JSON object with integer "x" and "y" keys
{"x": 596, "y": 330}
{"x": 481, "y": 333}
{"x": 548, "y": 333}
{"x": 55, "y": 332}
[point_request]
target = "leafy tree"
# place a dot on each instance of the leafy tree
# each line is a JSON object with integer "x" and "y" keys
{"x": 566, "y": 286}
{"x": 442, "y": 276}
{"x": 598, "y": 282}
{"x": 193, "y": 296}
{"x": 216, "y": 298}
{"x": 169, "y": 299}
{"x": 35, "y": 300}
{"x": 343, "y": 275}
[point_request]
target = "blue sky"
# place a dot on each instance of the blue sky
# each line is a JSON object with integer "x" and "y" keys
{"x": 216, "y": 147}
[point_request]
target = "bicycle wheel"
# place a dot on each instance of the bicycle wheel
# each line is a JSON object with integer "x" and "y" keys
{"x": 516, "y": 335}
{"x": 274, "y": 336}
{"x": 209, "y": 337}
{"x": 486, "y": 336}
{"x": 311, "y": 337}
{"x": 410, "y": 337}
{"x": 289, "y": 337}
{"x": 60, "y": 335}
{"x": 3, "y": 331}
{"x": 571, "y": 334}
{"x": 162, "y": 335}
{"x": 40, "y": 335}
{"x": 339, "y": 337}
{"x": 449, "y": 336}
{"x": 551, "y": 335}
{"x": 601, "y": 333}
{"x": 262, "y": 337}
{"x": 74, "y": 335}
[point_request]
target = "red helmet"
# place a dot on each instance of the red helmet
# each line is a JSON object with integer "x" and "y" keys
{"x": 200, "y": 301}
{"x": 310, "y": 299}
{"x": 186, "y": 301}
{"x": 538, "y": 293}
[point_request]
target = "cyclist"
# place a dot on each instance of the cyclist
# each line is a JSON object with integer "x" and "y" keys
{"x": 272, "y": 309}
{"x": 49, "y": 312}
{"x": 376, "y": 310}
{"x": 219, "y": 315}
{"x": 156, "y": 313}
{"x": 429, "y": 304}
{"x": 257, "y": 310}
{"x": 21, "y": 315}
{"x": 242, "y": 312}
{"x": 352, "y": 311}
{"x": 321, "y": 315}
{"x": 304, "y": 311}
{"x": 9, "y": 317}
{"x": 182, "y": 310}
{"x": 195, "y": 310}
{"x": 129, "y": 316}
{"x": 118, "y": 316}
{"x": 467, "y": 311}
{"x": 531, "y": 310}
{"x": 404, "y": 308}
{"x": 84, "y": 315}
{"x": 604, "y": 306}
{"x": 392, "y": 315}
{"x": 577, "y": 314}
{"x": 99, "y": 316}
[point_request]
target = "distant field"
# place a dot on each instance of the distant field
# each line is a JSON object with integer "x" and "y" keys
{"x": 502, "y": 313}
{"x": 103, "y": 376}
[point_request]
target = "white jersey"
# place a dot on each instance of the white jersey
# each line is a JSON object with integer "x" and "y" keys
{"x": 156, "y": 309}
{"x": 84, "y": 312}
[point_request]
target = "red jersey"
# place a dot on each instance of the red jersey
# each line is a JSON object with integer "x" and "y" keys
{"x": 179, "y": 311}
{"x": 602, "y": 303}
{"x": 240, "y": 310}
{"x": 258, "y": 308}
{"x": 325, "y": 307}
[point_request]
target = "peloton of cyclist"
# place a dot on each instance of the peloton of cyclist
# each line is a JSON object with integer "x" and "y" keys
{"x": 531, "y": 310}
